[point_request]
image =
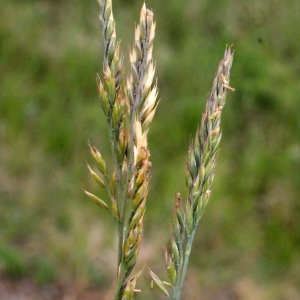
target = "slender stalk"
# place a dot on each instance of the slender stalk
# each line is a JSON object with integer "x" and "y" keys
{"x": 178, "y": 290}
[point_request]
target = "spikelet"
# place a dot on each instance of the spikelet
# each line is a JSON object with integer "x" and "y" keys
{"x": 141, "y": 93}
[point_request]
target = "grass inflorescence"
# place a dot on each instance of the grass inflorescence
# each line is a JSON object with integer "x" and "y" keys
{"x": 200, "y": 169}
{"x": 129, "y": 107}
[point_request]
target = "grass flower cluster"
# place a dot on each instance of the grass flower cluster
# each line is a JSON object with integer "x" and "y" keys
{"x": 200, "y": 169}
{"x": 129, "y": 107}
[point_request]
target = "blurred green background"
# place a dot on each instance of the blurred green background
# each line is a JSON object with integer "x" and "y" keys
{"x": 248, "y": 242}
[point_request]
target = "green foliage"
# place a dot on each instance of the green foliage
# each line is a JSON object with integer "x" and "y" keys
{"x": 49, "y": 55}
{"x": 42, "y": 270}
{"x": 12, "y": 263}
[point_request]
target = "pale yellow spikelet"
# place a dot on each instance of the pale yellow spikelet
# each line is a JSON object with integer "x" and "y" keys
{"x": 148, "y": 79}
{"x": 137, "y": 33}
{"x": 143, "y": 13}
{"x": 149, "y": 119}
{"x": 149, "y": 55}
{"x": 150, "y": 102}
{"x": 140, "y": 136}
{"x": 152, "y": 32}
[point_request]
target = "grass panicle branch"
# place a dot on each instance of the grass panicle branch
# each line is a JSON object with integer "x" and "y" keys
{"x": 200, "y": 168}
{"x": 142, "y": 104}
{"x": 141, "y": 93}
{"x": 129, "y": 110}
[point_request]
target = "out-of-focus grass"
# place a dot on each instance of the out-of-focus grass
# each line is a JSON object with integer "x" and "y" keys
{"x": 50, "y": 52}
